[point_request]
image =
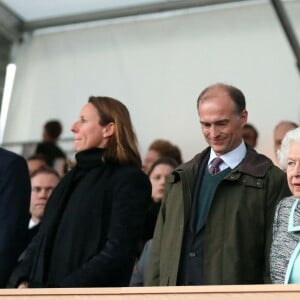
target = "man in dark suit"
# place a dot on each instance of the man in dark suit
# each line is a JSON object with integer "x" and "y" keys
{"x": 14, "y": 210}
{"x": 43, "y": 182}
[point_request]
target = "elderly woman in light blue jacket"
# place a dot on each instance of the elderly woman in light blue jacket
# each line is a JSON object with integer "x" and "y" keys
{"x": 285, "y": 250}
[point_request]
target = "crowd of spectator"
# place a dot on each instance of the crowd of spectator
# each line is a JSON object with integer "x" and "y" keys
{"x": 227, "y": 216}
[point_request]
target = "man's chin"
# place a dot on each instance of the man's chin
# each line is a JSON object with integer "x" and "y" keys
{"x": 219, "y": 150}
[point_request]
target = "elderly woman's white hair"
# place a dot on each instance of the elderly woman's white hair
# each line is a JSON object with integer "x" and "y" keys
{"x": 290, "y": 138}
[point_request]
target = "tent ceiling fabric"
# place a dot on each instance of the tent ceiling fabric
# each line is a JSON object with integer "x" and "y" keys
{"x": 33, "y": 10}
{"x": 27, "y": 15}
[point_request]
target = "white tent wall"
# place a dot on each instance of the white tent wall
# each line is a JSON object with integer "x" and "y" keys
{"x": 157, "y": 65}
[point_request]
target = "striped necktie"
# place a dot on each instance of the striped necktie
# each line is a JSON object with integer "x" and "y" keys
{"x": 215, "y": 166}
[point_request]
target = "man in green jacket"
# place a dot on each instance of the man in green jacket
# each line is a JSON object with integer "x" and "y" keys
{"x": 215, "y": 222}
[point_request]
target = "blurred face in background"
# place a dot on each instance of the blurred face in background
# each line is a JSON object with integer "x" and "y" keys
{"x": 279, "y": 134}
{"x": 158, "y": 178}
{"x": 151, "y": 157}
{"x": 293, "y": 169}
{"x": 35, "y": 164}
{"x": 249, "y": 137}
{"x": 42, "y": 185}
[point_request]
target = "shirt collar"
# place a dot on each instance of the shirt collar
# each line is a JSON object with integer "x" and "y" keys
{"x": 230, "y": 159}
{"x": 32, "y": 224}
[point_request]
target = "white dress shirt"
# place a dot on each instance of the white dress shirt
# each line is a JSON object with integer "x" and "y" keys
{"x": 230, "y": 159}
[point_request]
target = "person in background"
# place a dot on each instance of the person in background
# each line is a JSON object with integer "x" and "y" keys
{"x": 285, "y": 250}
{"x": 140, "y": 269}
{"x": 250, "y": 135}
{"x": 158, "y": 174}
{"x": 93, "y": 219}
{"x": 14, "y": 210}
{"x": 35, "y": 162}
{"x": 160, "y": 148}
{"x": 54, "y": 155}
{"x": 279, "y": 132}
{"x": 215, "y": 223}
{"x": 43, "y": 182}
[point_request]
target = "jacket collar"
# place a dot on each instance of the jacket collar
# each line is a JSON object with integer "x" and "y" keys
{"x": 254, "y": 164}
{"x": 293, "y": 225}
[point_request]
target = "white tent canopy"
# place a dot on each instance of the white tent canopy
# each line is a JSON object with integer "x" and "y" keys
{"x": 157, "y": 65}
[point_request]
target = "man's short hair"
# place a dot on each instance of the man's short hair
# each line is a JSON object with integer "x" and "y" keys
{"x": 166, "y": 149}
{"x": 53, "y": 128}
{"x": 234, "y": 93}
{"x": 45, "y": 170}
{"x": 253, "y": 129}
{"x": 291, "y": 123}
{"x": 37, "y": 157}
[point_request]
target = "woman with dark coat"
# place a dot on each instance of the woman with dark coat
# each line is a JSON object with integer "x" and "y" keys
{"x": 93, "y": 219}
{"x": 158, "y": 174}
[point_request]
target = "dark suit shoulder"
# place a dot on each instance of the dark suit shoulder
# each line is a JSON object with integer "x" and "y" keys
{"x": 7, "y": 158}
{"x": 9, "y": 155}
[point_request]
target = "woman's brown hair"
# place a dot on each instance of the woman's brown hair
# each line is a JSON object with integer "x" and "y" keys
{"x": 123, "y": 145}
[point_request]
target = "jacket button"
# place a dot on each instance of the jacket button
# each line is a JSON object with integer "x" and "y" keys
{"x": 192, "y": 254}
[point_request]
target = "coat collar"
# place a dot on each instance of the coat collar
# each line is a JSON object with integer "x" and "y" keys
{"x": 293, "y": 225}
{"x": 253, "y": 164}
